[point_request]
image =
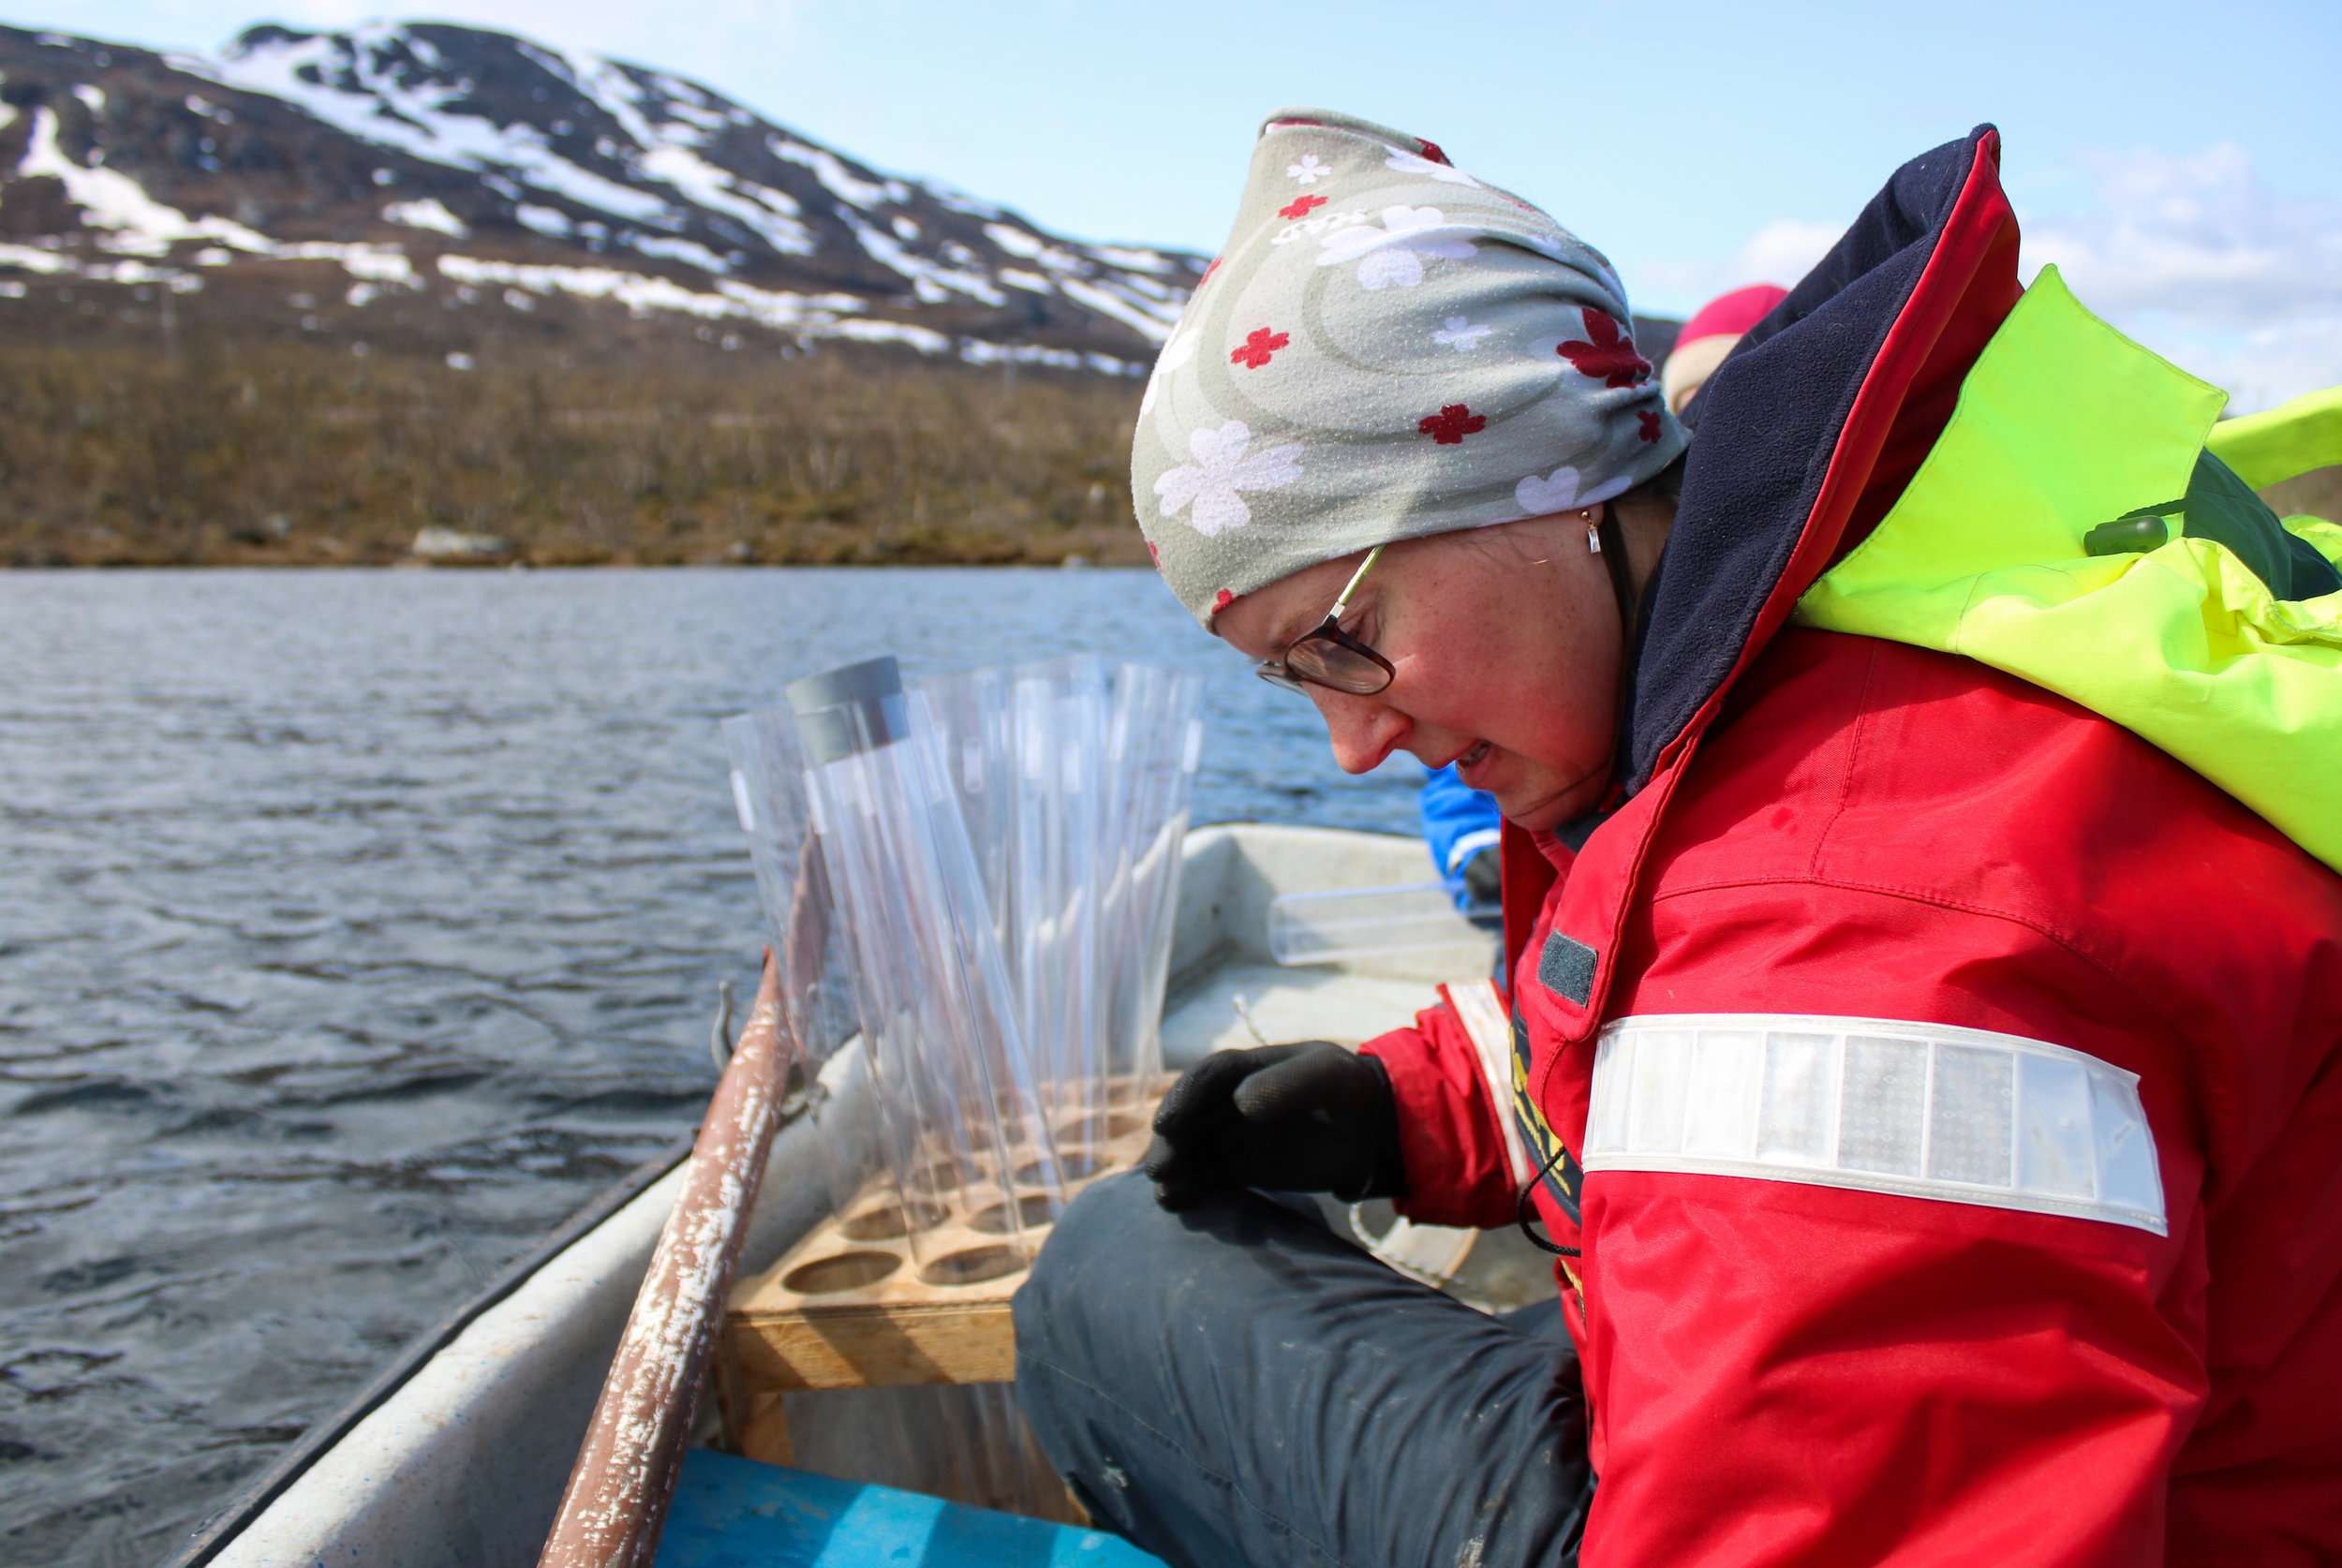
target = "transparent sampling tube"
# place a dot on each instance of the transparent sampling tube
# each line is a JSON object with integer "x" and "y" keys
{"x": 1154, "y": 748}
{"x": 816, "y": 982}
{"x": 1059, "y": 715}
{"x": 961, "y": 1125}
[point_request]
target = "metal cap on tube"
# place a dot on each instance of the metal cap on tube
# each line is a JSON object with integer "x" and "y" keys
{"x": 849, "y": 709}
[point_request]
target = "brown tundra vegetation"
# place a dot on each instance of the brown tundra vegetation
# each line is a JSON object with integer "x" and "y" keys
{"x": 286, "y": 454}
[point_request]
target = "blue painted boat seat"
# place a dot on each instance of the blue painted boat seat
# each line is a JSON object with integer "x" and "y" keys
{"x": 733, "y": 1513}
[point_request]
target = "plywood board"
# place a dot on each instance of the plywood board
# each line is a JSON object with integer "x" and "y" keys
{"x": 860, "y": 1304}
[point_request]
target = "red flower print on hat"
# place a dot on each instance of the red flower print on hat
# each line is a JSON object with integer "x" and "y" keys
{"x": 1221, "y": 601}
{"x": 1256, "y": 350}
{"x": 1609, "y": 357}
{"x": 1431, "y": 150}
{"x": 1300, "y": 207}
{"x": 1451, "y": 424}
{"x": 1650, "y": 418}
{"x": 1154, "y": 554}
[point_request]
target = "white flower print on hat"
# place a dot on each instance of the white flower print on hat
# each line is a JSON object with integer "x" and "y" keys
{"x": 1556, "y": 491}
{"x": 1393, "y": 253}
{"x": 1447, "y": 173}
{"x": 1459, "y": 333}
{"x": 1219, "y": 470}
{"x": 1308, "y": 171}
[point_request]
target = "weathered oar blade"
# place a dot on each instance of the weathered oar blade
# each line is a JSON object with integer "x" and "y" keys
{"x": 618, "y": 1496}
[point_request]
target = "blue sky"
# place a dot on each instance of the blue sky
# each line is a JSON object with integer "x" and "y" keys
{"x": 2183, "y": 164}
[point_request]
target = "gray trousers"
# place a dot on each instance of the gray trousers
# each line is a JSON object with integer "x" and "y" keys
{"x": 1238, "y": 1387}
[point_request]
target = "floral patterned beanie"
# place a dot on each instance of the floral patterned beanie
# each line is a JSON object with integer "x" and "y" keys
{"x": 1387, "y": 347}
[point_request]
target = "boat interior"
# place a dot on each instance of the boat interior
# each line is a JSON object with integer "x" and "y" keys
{"x": 886, "y": 1430}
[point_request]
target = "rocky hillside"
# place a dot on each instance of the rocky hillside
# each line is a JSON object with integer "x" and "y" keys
{"x": 445, "y": 189}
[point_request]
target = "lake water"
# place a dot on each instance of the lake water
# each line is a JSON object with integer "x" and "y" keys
{"x": 355, "y": 928}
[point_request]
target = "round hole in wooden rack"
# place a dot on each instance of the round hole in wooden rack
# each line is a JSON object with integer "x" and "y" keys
{"x": 843, "y": 1271}
{"x": 1031, "y": 1213}
{"x": 885, "y": 1221}
{"x": 1072, "y": 1165}
{"x": 942, "y": 1176}
{"x": 971, "y": 1266}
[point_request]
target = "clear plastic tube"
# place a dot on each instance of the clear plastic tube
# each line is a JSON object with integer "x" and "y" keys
{"x": 970, "y": 713}
{"x": 961, "y": 1125}
{"x": 1057, "y": 718}
{"x": 768, "y": 794}
{"x": 1155, "y": 744}
{"x": 816, "y": 981}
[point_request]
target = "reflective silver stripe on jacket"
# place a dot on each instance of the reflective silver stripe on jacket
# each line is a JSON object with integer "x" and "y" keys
{"x": 1925, "y": 1110}
{"x": 1481, "y": 1008}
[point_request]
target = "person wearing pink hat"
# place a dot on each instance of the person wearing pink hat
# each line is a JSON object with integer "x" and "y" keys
{"x": 1709, "y": 336}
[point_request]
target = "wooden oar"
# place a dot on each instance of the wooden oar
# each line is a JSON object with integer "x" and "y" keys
{"x": 618, "y": 1496}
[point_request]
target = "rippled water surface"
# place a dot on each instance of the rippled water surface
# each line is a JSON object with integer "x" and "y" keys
{"x": 355, "y": 928}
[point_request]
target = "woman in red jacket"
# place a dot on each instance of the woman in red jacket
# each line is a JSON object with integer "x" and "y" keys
{"x": 1925, "y": 1083}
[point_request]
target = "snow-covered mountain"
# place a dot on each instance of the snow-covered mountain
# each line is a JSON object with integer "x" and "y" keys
{"x": 401, "y": 165}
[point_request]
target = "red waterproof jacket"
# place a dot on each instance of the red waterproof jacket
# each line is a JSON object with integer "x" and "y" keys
{"x": 1938, "y": 1083}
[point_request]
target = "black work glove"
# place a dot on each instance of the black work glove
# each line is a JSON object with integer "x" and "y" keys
{"x": 1484, "y": 882}
{"x": 1310, "y": 1117}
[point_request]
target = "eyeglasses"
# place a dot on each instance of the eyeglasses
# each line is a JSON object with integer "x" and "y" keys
{"x": 1330, "y": 657}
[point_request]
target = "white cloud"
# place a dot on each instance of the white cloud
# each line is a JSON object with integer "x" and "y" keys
{"x": 2196, "y": 258}
{"x": 2199, "y": 238}
{"x": 2193, "y": 256}
{"x": 1781, "y": 252}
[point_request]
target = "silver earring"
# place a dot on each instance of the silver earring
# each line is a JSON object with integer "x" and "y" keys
{"x": 1594, "y": 539}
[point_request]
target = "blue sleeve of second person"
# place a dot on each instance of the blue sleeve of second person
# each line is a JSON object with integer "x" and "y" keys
{"x": 1458, "y": 821}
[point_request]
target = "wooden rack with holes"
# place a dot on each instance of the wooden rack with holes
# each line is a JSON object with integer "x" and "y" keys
{"x": 852, "y": 1307}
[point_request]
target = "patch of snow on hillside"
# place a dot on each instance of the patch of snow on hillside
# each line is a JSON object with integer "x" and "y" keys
{"x": 378, "y": 108}
{"x": 862, "y": 329}
{"x": 111, "y": 200}
{"x": 549, "y": 221}
{"x": 975, "y": 350}
{"x": 703, "y": 182}
{"x": 610, "y": 88}
{"x": 427, "y": 213}
{"x": 831, "y": 171}
{"x": 1133, "y": 259}
{"x": 33, "y": 260}
{"x": 826, "y": 303}
{"x": 706, "y": 121}
{"x": 1016, "y": 277}
{"x": 681, "y": 250}
{"x": 815, "y": 316}
{"x": 374, "y": 263}
{"x": 928, "y": 280}
{"x": 959, "y": 201}
{"x": 1176, "y": 298}
{"x": 50, "y": 264}
{"x": 1016, "y": 241}
{"x": 93, "y": 98}
{"x": 1153, "y": 327}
